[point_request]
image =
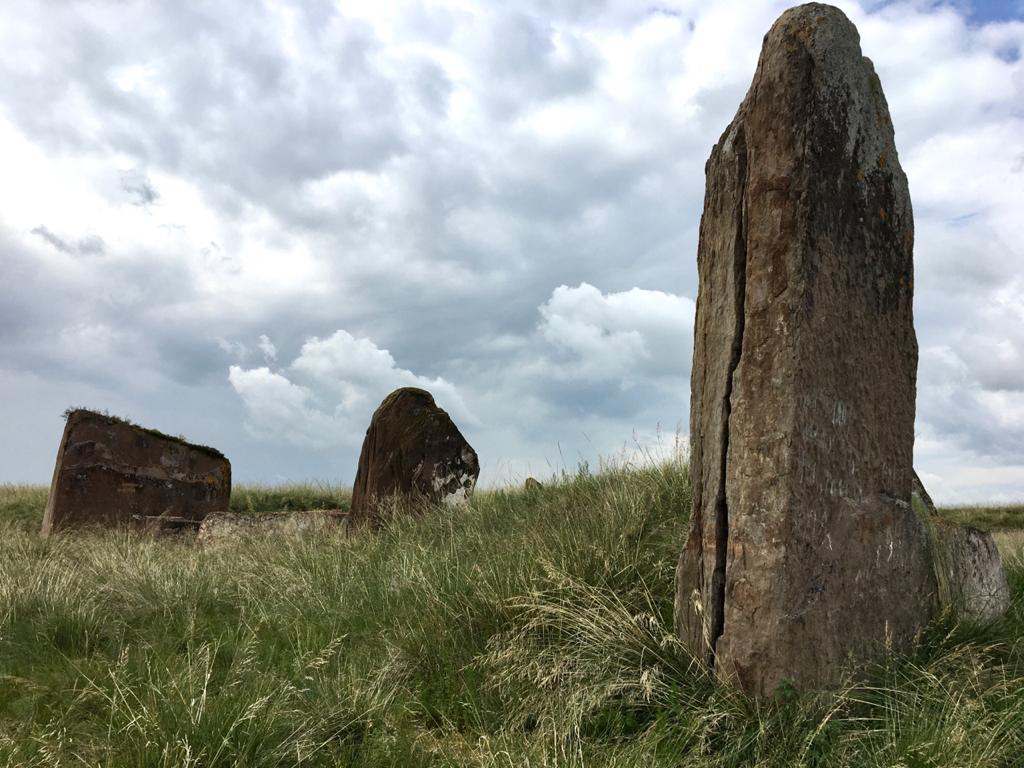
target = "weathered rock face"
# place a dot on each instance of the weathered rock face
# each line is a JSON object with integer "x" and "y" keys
{"x": 412, "y": 450}
{"x": 969, "y": 571}
{"x": 803, "y": 548}
{"x": 112, "y": 473}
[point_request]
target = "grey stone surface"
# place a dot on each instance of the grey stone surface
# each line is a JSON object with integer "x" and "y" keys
{"x": 969, "y": 571}
{"x": 803, "y": 550}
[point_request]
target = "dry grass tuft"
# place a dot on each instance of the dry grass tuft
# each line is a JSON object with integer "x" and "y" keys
{"x": 528, "y": 629}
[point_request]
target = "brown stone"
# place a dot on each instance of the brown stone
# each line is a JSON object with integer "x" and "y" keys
{"x": 803, "y": 550}
{"x": 412, "y": 452}
{"x": 972, "y": 582}
{"x": 112, "y": 473}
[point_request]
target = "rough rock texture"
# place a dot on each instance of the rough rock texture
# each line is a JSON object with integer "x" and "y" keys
{"x": 112, "y": 473}
{"x": 412, "y": 451}
{"x": 969, "y": 571}
{"x": 803, "y": 549}
{"x": 226, "y": 527}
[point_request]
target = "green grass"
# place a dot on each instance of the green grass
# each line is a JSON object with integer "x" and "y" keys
{"x": 255, "y": 499}
{"x": 21, "y": 506}
{"x": 529, "y": 629}
{"x": 1003, "y": 517}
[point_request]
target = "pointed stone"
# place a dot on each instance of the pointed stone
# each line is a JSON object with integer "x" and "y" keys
{"x": 803, "y": 549}
{"x": 414, "y": 452}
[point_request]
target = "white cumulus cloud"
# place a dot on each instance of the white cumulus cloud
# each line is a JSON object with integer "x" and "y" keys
{"x": 328, "y": 393}
{"x": 631, "y": 335}
{"x": 502, "y": 195}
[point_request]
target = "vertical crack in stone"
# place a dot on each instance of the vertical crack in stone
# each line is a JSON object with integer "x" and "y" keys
{"x": 721, "y": 502}
{"x": 802, "y": 554}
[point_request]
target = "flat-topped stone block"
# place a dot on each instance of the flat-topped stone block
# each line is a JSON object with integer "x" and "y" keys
{"x": 112, "y": 473}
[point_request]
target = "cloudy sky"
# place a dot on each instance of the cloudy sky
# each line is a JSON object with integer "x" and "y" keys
{"x": 248, "y": 222}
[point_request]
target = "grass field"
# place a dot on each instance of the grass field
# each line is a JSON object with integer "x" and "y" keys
{"x": 530, "y": 629}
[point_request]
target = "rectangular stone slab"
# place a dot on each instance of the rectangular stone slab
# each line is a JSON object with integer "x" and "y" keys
{"x": 109, "y": 472}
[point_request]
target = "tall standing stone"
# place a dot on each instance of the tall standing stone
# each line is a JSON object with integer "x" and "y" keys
{"x": 113, "y": 473}
{"x": 412, "y": 451}
{"x": 803, "y": 549}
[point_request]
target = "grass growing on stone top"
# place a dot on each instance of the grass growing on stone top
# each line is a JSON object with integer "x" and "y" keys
{"x": 529, "y": 629}
{"x": 180, "y": 439}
